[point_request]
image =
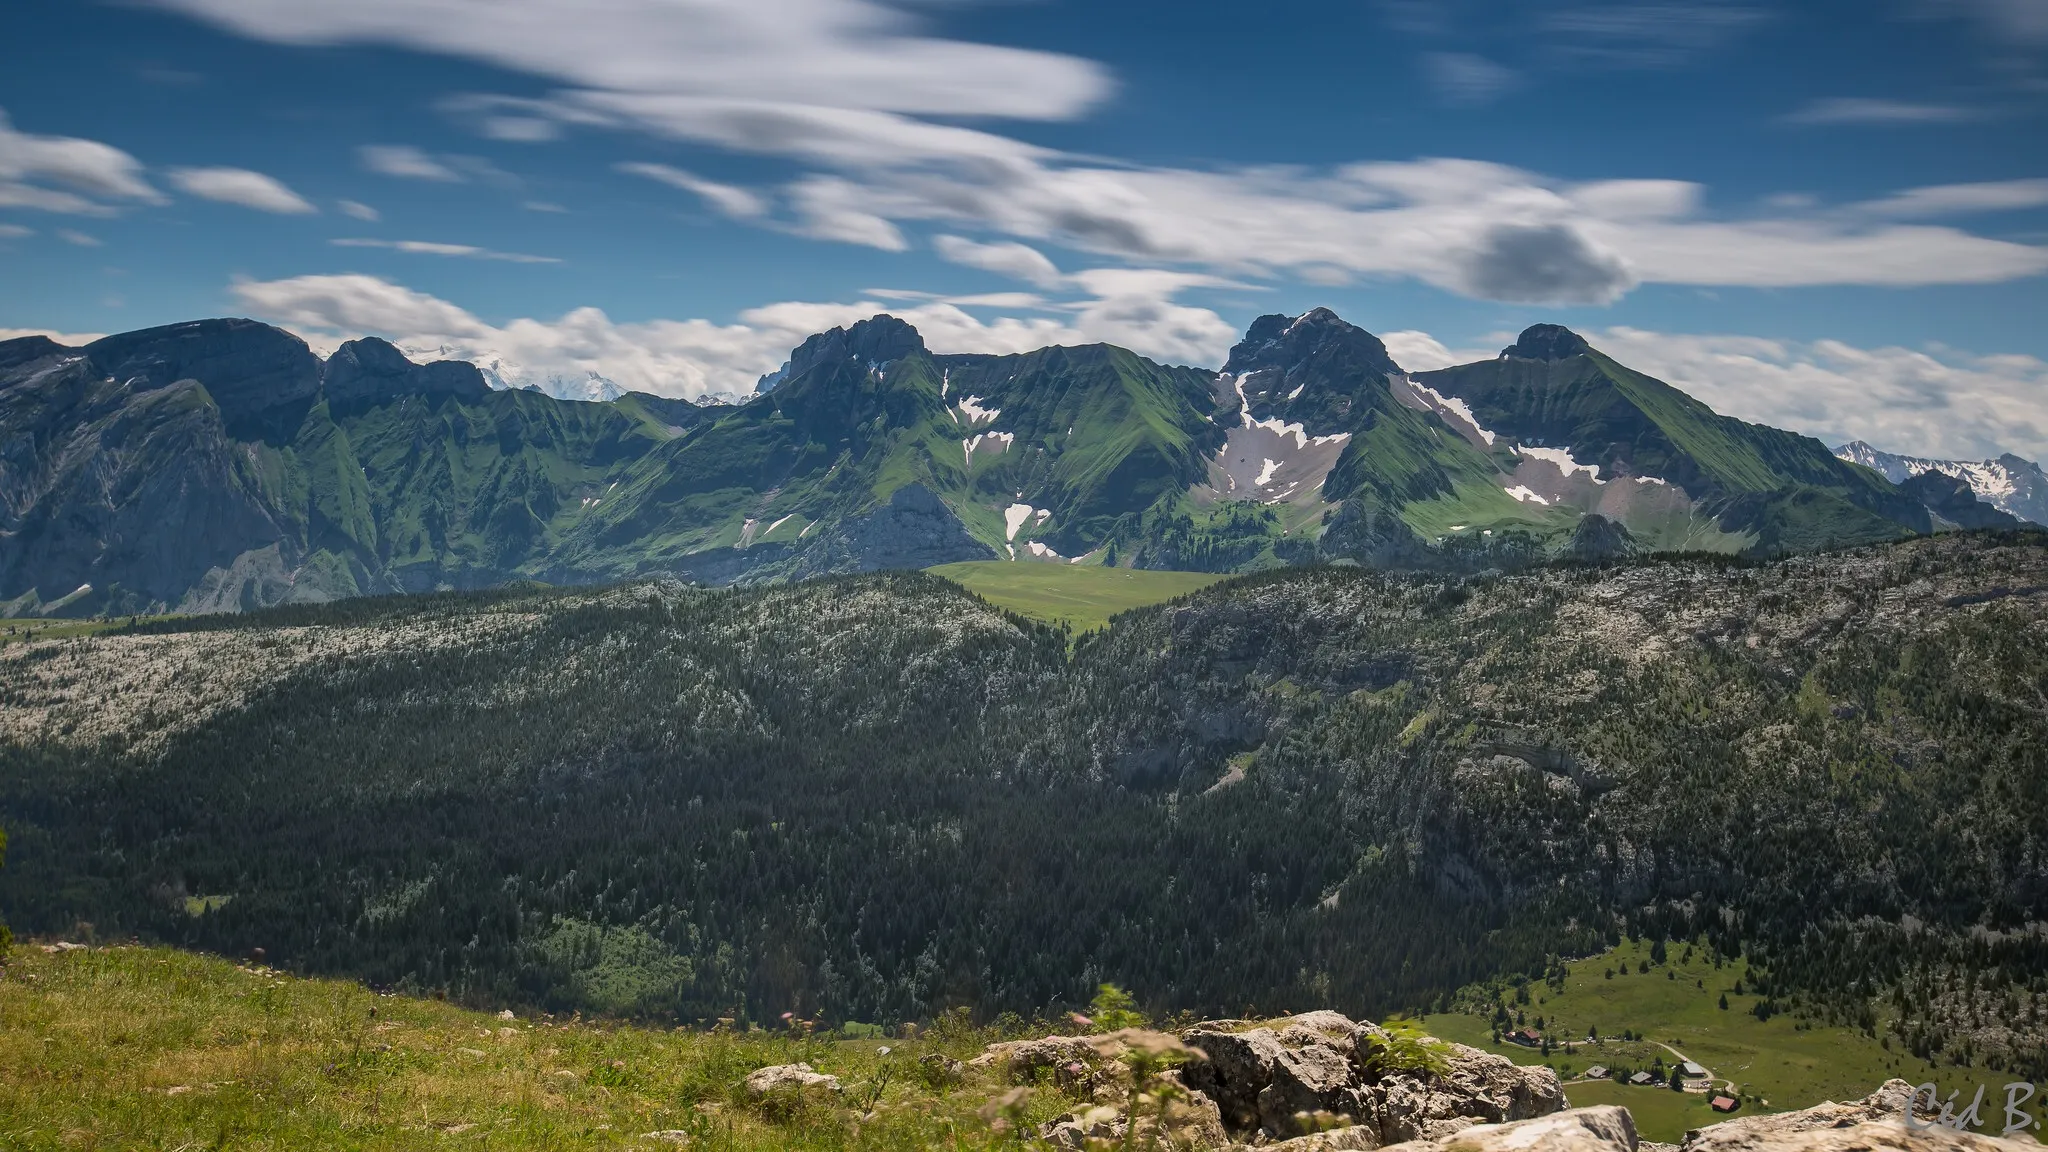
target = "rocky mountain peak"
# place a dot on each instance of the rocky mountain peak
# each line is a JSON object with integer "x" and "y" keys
{"x": 254, "y": 372}
{"x": 27, "y": 350}
{"x": 880, "y": 339}
{"x": 1286, "y": 342}
{"x": 1547, "y": 342}
{"x": 372, "y": 369}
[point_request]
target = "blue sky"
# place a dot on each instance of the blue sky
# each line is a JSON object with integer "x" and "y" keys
{"x": 1829, "y": 216}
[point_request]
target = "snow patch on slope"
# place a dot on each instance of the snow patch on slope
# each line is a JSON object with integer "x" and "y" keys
{"x": 1454, "y": 412}
{"x": 1562, "y": 457}
{"x": 1016, "y": 514}
{"x": 972, "y": 412}
{"x": 1280, "y": 427}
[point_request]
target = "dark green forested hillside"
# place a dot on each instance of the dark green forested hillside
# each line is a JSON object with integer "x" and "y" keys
{"x": 876, "y": 796}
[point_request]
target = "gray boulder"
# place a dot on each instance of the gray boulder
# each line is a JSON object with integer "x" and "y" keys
{"x": 788, "y": 1078}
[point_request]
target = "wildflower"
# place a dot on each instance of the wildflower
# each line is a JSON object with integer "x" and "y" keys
{"x": 1080, "y": 1021}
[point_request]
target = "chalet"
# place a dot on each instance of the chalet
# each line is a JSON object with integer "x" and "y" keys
{"x": 1525, "y": 1036}
{"x": 1692, "y": 1071}
{"x": 1597, "y": 1072}
{"x": 1724, "y": 1103}
{"x": 1642, "y": 1079}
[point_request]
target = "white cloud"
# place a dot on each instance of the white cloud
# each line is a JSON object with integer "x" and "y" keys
{"x": 406, "y": 162}
{"x": 1420, "y": 352}
{"x": 241, "y": 186}
{"x": 1938, "y": 402}
{"x": 1478, "y": 229}
{"x": 1464, "y": 79}
{"x": 86, "y": 174}
{"x": 432, "y": 248}
{"x": 68, "y": 339}
{"x": 1956, "y": 199}
{"x": 2023, "y": 20}
{"x": 15, "y": 231}
{"x": 830, "y": 208}
{"x": 1863, "y": 110}
{"x": 71, "y": 236}
{"x": 690, "y": 357}
{"x": 840, "y": 86}
{"x": 737, "y": 203}
{"x": 357, "y": 210}
{"x": 832, "y": 53}
{"x": 1666, "y": 34}
{"x": 1017, "y": 260}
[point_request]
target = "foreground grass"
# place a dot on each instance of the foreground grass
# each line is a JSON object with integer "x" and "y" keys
{"x": 136, "y": 1047}
{"x": 1080, "y": 596}
{"x": 1779, "y": 1064}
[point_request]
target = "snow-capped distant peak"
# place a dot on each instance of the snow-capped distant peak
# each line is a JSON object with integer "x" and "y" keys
{"x": 2008, "y": 483}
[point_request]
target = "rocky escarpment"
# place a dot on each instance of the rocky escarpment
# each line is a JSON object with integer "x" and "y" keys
{"x": 1289, "y": 1078}
{"x": 370, "y": 371}
{"x": 1320, "y": 1082}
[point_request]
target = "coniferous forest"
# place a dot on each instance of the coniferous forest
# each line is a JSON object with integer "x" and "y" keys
{"x": 874, "y": 798}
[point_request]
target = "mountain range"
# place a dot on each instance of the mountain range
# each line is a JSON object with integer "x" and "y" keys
{"x": 2008, "y": 483}
{"x": 222, "y": 465}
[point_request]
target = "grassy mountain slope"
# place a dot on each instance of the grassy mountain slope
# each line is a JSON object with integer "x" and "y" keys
{"x": 1102, "y": 435}
{"x": 1785, "y": 492}
{"x": 1082, "y": 598}
{"x": 876, "y": 797}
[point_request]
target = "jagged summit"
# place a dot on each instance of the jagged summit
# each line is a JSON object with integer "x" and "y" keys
{"x": 881, "y": 339}
{"x": 1286, "y": 342}
{"x": 27, "y": 350}
{"x": 373, "y": 369}
{"x": 262, "y": 377}
{"x": 1547, "y": 342}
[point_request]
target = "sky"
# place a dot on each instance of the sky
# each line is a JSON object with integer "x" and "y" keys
{"x": 1831, "y": 217}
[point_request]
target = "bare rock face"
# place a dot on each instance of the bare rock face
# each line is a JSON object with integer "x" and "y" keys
{"x": 1604, "y": 1129}
{"x": 781, "y": 1078}
{"x": 1069, "y": 1061}
{"x": 1889, "y": 1135}
{"x": 1285, "y": 1078}
{"x": 1887, "y": 1103}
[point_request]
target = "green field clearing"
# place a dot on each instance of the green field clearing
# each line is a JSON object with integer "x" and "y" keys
{"x": 1081, "y": 596}
{"x": 18, "y": 629}
{"x": 1783, "y": 1063}
{"x": 133, "y": 1047}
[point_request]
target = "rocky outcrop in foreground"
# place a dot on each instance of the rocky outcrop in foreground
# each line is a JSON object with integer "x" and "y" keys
{"x": 1323, "y": 1083}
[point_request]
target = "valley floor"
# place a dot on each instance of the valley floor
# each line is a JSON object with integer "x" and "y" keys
{"x": 1776, "y": 1064}
{"x": 1080, "y": 597}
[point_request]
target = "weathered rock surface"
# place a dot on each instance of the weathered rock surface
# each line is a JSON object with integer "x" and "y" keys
{"x": 788, "y": 1078}
{"x": 1274, "y": 1079}
{"x": 1316, "y": 1083}
{"x": 1604, "y": 1129}
{"x": 1873, "y": 1124}
{"x": 1887, "y": 1103}
{"x": 1891, "y": 1135}
{"x": 372, "y": 371}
